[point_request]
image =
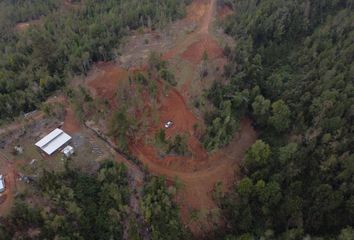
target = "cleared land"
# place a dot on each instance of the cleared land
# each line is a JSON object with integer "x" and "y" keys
{"x": 200, "y": 171}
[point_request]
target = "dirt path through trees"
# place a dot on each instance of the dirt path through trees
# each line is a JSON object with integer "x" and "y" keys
{"x": 9, "y": 173}
{"x": 220, "y": 166}
{"x": 200, "y": 172}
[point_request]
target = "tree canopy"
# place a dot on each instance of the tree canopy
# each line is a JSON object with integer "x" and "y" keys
{"x": 295, "y": 61}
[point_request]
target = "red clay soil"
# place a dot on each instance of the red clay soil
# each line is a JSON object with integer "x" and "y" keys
{"x": 194, "y": 52}
{"x": 199, "y": 172}
{"x": 105, "y": 84}
{"x": 10, "y": 183}
{"x": 173, "y": 108}
{"x": 201, "y": 12}
{"x": 71, "y": 123}
{"x": 198, "y": 185}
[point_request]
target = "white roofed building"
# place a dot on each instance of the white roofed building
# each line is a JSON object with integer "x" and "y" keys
{"x": 53, "y": 141}
{"x": 68, "y": 151}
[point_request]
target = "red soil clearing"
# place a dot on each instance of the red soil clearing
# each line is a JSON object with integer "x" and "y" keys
{"x": 194, "y": 52}
{"x": 200, "y": 171}
{"x": 173, "y": 108}
{"x": 105, "y": 84}
{"x": 222, "y": 166}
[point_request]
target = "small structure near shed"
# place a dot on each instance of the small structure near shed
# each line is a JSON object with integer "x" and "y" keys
{"x": 68, "y": 151}
{"x": 53, "y": 141}
{"x": 2, "y": 184}
{"x": 18, "y": 150}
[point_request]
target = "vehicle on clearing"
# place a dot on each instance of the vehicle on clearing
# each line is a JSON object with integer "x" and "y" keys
{"x": 168, "y": 124}
{"x": 2, "y": 184}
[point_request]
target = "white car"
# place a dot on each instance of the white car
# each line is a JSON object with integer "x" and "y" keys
{"x": 168, "y": 124}
{"x": 2, "y": 184}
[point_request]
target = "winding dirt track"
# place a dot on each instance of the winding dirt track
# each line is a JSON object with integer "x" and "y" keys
{"x": 202, "y": 171}
{"x": 221, "y": 166}
{"x": 199, "y": 184}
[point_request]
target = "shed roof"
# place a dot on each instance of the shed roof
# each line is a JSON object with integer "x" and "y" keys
{"x": 53, "y": 141}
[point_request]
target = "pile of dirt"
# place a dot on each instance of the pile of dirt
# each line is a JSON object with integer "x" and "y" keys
{"x": 207, "y": 44}
{"x": 104, "y": 81}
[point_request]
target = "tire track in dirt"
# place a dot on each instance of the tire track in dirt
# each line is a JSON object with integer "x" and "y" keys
{"x": 222, "y": 166}
{"x": 198, "y": 185}
{"x": 9, "y": 173}
{"x": 201, "y": 32}
{"x": 206, "y": 170}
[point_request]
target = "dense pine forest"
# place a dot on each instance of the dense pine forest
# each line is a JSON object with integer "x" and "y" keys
{"x": 36, "y": 62}
{"x": 292, "y": 72}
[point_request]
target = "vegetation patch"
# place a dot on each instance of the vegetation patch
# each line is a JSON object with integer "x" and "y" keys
{"x": 160, "y": 212}
{"x": 176, "y": 145}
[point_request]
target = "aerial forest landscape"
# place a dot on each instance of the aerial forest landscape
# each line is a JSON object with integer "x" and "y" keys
{"x": 177, "y": 119}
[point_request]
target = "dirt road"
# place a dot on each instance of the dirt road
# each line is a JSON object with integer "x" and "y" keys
{"x": 200, "y": 172}
{"x": 9, "y": 173}
{"x": 223, "y": 164}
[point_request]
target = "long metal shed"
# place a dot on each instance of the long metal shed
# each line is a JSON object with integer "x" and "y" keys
{"x": 53, "y": 141}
